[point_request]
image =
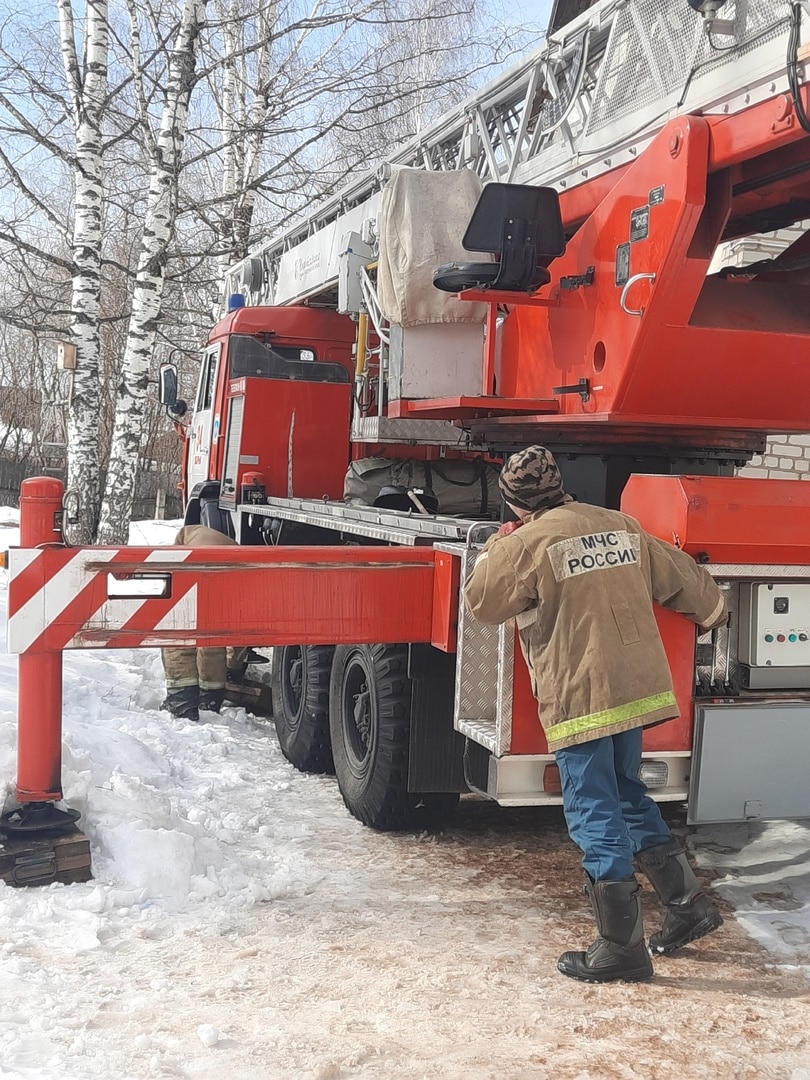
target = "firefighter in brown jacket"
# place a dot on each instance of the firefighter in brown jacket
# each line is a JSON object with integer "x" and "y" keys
{"x": 580, "y": 582}
{"x": 195, "y": 678}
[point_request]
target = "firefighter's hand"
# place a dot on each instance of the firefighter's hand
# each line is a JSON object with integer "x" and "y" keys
{"x": 509, "y": 527}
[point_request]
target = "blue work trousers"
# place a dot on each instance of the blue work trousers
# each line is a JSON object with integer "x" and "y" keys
{"x": 609, "y": 814}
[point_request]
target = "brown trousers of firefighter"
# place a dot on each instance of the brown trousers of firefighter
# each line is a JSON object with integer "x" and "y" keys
{"x": 188, "y": 665}
{"x": 206, "y": 668}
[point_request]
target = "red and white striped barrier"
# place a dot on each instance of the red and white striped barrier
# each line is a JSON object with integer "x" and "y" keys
{"x": 71, "y": 598}
{"x": 58, "y": 598}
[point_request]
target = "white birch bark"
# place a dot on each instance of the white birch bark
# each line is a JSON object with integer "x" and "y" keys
{"x": 242, "y": 109}
{"x": 255, "y": 136}
{"x": 87, "y": 86}
{"x": 161, "y": 210}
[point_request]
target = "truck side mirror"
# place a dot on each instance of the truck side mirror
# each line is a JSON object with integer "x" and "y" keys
{"x": 167, "y": 390}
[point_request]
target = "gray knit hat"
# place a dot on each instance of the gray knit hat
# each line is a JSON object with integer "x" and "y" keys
{"x": 531, "y": 479}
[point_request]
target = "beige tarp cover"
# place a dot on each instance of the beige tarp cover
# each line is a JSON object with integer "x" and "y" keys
{"x": 423, "y": 218}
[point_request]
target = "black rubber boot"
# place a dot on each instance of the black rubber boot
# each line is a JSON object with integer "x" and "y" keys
{"x": 619, "y": 952}
{"x": 690, "y": 913}
{"x": 211, "y": 699}
{"x": 183, "y": 702}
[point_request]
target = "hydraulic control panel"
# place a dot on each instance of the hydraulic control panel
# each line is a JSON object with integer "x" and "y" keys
{"x": 775, "y": 633}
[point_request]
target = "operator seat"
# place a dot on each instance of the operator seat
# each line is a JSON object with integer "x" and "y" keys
{"x": 519, "y": 223}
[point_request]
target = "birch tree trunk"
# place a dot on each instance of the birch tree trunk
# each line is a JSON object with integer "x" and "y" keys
{"x": 161, "y": 211}
{"x": 243, "y": 112}
{"x": 87, "y": 85}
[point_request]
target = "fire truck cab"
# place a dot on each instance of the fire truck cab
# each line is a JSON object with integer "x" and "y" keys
{"x": 273, "y": 399}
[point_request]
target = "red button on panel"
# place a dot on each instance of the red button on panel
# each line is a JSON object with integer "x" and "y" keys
{"x": 780, "y": 637}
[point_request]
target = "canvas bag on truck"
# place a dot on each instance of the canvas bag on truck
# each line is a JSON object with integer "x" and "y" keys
{"x": 467, "y": 489}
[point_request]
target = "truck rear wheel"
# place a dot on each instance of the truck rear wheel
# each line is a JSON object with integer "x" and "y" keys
{"x": 301, "y": 705}
{"x": 369, "y": 719}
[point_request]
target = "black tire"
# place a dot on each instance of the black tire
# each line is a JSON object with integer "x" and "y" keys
{"x": 301, "y": 705}
{"x": 369, "y": 719}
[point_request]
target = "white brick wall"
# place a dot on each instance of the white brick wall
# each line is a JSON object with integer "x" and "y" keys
{"x": 786, "y": 457}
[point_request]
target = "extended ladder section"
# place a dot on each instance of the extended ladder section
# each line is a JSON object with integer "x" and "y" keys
{"x": 587, "y": 102}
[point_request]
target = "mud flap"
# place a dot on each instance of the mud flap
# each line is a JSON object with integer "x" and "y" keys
{"x": 436, "y": 751}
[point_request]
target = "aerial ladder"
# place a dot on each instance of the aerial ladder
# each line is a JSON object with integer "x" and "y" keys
{"x": 585, "y": 104}
{"x": 575, "y": 116}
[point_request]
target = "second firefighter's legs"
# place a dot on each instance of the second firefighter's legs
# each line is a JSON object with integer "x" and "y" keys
{"x": 195, "y": 679}
{"x": 212, "y": 669}
{"x": 182, "y": 682}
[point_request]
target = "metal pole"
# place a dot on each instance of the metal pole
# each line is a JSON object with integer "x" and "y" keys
{"x": 39, "y": 728}
{"x": 39, "y": 715}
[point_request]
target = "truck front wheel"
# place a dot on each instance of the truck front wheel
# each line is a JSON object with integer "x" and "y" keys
{"x": 369, "y": 719}
{"x": 301, "y": 705}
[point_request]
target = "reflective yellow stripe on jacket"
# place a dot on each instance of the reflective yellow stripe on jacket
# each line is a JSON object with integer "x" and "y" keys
{"x": 607, "y": 717}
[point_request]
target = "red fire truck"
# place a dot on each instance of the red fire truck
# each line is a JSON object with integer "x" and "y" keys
{"x": 576, "y": 216}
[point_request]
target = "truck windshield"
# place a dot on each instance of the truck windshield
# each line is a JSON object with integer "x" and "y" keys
{"x": 252, "y": 359}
